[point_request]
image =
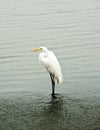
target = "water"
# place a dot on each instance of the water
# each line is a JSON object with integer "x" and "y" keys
{"x": 72, "y": 30}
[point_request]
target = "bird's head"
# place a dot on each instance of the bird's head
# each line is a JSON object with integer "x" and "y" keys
{"x": 40, "y": 48}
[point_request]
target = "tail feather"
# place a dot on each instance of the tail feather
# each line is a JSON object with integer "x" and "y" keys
{"x": 59, "y": 80}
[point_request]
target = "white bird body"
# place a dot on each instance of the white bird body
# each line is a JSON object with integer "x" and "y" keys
{"x": 49, "y": 61}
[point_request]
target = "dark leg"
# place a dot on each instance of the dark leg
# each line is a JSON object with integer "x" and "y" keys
{"x": 53, "y": 85}
{"x": 53, "y": 88}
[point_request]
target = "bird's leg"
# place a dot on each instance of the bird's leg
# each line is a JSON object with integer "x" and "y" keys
{"x": 53, "y": 88}
{"x": 53, "y": 85}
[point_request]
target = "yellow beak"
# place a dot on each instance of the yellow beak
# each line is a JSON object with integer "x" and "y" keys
{"x": 36, "y": 49}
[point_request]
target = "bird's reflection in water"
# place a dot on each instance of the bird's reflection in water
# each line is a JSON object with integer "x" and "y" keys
{"x": 53, "y": 114}
{"x": 56, "y": 104}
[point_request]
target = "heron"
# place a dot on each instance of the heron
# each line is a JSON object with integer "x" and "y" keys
{"x": 48, "y": 59}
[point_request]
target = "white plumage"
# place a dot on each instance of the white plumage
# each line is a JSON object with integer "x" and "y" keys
{"x": 49, "y": 61}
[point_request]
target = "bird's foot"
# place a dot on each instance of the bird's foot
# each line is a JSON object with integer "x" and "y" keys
{"x": 53, "y": 95}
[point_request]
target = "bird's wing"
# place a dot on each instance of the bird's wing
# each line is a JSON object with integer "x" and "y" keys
{"x": 51, "y": 63}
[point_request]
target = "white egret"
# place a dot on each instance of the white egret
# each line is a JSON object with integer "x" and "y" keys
{"x": 49, "y": 61}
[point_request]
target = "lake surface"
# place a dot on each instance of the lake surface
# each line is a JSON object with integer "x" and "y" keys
{"x": 71, "y": 29}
